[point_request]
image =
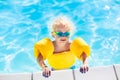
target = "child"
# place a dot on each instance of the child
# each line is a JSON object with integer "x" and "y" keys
{"x": 61, "y": 53}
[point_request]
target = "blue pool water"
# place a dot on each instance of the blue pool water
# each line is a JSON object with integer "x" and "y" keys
{"x": 24, "y": 22}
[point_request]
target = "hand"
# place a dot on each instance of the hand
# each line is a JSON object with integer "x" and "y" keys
{"x": 46, "y": 72}
{"x": 84, "y": 68}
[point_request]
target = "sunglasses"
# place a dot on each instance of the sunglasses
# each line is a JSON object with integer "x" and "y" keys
{"x": 61, "y": 34}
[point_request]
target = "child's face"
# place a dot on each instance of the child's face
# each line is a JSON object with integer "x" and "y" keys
{"x": 61, "y": 34}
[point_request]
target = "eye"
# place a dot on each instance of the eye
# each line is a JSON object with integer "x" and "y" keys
{"x": 67, "y": 33}
{"x": 60, "y": 33}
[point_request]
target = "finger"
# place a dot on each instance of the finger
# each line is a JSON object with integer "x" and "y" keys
{"x": 45, "y": 74}
{"x": 87, "y": 68}
{"x": 84, "y": 69}
{"x": 81, "y": 70}
{"x": 49, "y": 73}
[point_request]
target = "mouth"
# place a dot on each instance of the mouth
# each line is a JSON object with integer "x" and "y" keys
{"x": 62, "y": 39}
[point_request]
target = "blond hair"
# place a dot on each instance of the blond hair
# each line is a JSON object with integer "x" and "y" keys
{"x": 62, "y": 20}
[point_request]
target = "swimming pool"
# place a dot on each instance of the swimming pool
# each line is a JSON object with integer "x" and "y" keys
{"x": 22, "y": 23}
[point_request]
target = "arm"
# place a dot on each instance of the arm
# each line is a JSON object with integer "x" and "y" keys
{"x": 84, "y": 67}
{"x": 41, "y": 61}
{"x": 46, "y": 71}
{"x": 84, "y": 58}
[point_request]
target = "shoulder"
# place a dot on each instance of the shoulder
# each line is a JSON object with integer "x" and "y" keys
{"x": 78, "y": 46}
{"x": 43, "y": 41}
{"x": 78, "y": 40}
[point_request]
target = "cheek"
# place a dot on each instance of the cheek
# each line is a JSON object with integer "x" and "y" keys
{"x": 53, "y": 35}
{"x": 56, "y": 37}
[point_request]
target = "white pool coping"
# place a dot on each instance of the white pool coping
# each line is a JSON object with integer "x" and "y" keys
{"x": 95, "y": 73}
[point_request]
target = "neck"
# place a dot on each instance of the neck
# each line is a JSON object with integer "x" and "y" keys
{"x": 60, "y": 47}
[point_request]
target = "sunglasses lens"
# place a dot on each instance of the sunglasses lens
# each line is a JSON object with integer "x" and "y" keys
{"x": 60, "y": 34}
{"x": 66, "y": 34}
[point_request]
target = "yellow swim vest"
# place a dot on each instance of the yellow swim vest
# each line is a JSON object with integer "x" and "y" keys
{"x": 61, "y": 60}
